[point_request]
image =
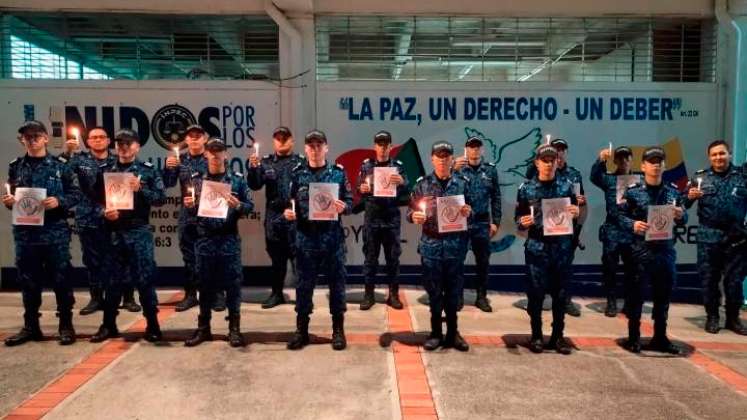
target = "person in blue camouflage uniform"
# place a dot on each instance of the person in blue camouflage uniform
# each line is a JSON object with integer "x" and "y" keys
{"x": 320, "y": 244}
{"x": 441, "y": 254}
{"x": 131, "y": 237}
{"x": 655, "y": 260}
{"x": 548, "y": 258}
{"x": 43, "y": 252}
{"x": 615, "y": 240}
{"x": 486, "y": 212}
{"x": 574, "y": 176}
{"x": 273, "y": 171}
{"x": 721, "y": 193}
{"x": 185, "y": 169}
{"x": 218, "y": 246}
{"x": 382, "y": 222}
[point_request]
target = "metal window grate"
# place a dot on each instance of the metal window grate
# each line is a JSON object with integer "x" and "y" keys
{"x": 515, "y": 49}
{"x": 127, "y": 46}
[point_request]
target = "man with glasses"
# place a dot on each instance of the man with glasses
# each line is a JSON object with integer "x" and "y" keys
{"x": 273, "y": 171}
{"x": 43, "y": 252}
{"x": 131, "y": 236}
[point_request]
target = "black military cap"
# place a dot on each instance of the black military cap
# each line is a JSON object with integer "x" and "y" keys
{"x": 623, "y": 151}
{"x": 315, "y": 136}
{"x": 653, "y": 152}
{"x": 194, "y": 127}
{"x": 282, "y": 133}
{"x": 546, "y": 150}
{"x": 473, "y": 142}
{"x": 215, "y": 144}
{"x": 126, "y": 136}
{"x": 442, "y": 146}
{"x": 32, "y": 125}
{"x": 383, "y": 137}
{"x": 559, "y": 144}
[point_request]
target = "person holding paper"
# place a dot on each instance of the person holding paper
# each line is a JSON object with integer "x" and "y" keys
{"x": 320, "y": 243}
{"x": 574, "y": 176}
{"x": 132, "y": 239}
{"x": 486, "y": 212}
{"x": 655, "y": 259}
{"x": 94, "y": 242}
{"x": 43, "y": 252}
{"x": 382, "y": 222}
{"x": 548, "y": 258}
{"x": 721, "y": 193}
{"x": 273, "y": 171}
{"x": 218, "y": 245}
{"x": 441, "y": 254}
{"x": 615, "y": 240}
{"x": 185, "y": 168}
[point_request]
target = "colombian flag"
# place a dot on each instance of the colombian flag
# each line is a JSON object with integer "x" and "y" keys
{"x": 675, "y": 170}
{"x": 407, "y": 153}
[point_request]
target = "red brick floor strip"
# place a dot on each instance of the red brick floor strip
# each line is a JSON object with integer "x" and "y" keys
{"x": 49, "y": 397}
{"x": 415, "y": 396}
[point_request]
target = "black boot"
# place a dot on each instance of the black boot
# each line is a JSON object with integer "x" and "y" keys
{"x": 453, "y": 338}
{"x": 712, "y": 324}
{"x": 29, "y": 332}
{"x": 128, "y": 300}
{"x": 96, "y": 303}
{"x": 733, "y": 322}
{"x": 536, "y": 342}
{"x": 660, "y": 342}
{"x": 436, "y": 336}
{"x": 558, "y": 342}
{"x": 571, "y": 308}
{"x": 66, "y": 330}
{"x": 633, "y": 343}
{"x": 276, "y": 298}
{"x": 368, "y": 298}
{"x": 189, "y": 301}
{"x": 152, "y": 329}
{"x": 202, "y": 333}
{"x": 235, "y": 339}
{"x": 108, "y": 328}
{"x": 301, "y": 337}
{"x": 611, "y": 309}
{"x": 482, "y": 302}
{"x": 393, "y": 298}
{"x": 338, "y": 332}
{"x": 460, "y": 303}
{"x": 219, "y": 304}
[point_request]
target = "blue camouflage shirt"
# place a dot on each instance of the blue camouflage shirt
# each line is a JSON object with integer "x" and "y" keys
{"x": 381, "y": 211}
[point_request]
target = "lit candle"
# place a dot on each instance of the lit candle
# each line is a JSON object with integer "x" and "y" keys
{"x": 700, "y": 181}
{"x": 256, "y": 149}
{"x": 7, "y": 188}
{"x": 465, "y": 153}
{"x": 139, "y": 178}
{"x": 547, "y": 138}
{"x": 192, "y": 192}
{"x": 293, "y": 205}
{"x": 176, "y": 152}
{"x": 610, "y": 148}
{"x": 531, "y": 211}
{"x": 422, "y": 206}
{"x": 76, "y": 133}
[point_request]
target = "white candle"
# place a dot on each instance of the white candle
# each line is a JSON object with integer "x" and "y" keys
{"x": 192, "y": 192}
{"x": 76, "y": 133}
{"x": 139, "y": 177}
{"x": 610, "y": 148}
{"x": 674, "y": 202}
{"x": 700, "y": 181}
{"x": 176, "y": 152}
{"x": 7, "y": 188}
{"x": 422, "y": 206}
{"x": 256, "y": 149}
{"x": 293, "y": 205}
{"x": 368, "y": 181}
{"x": 465, "y": 153}
{"x": 547, "y": 138}
{"x": 531, "y": 211}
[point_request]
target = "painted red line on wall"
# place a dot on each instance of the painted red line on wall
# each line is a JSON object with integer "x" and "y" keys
{"x": 415, "y": 396}
{"x": 49, "y": 397}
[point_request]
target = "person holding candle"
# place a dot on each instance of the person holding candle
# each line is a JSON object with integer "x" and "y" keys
{"x": 218, "y": 245}
{"x": 132, "y": 238}
{"x": 655, "y": 259}
{"x": 94, "y": 242}
{"x": 43, "y": 252}
{"x": 273, "y": 171}
{"x": 486, "y": 216}
{"x": 721, "y": 193}
{"x": 615, "y": 240}
{"x": 382, "y": 222}
{"x": 548, "y": 258}
{"x": 320, "y": 244}
{"x": 441, "y": 254}
{"x": 185, "y": 169}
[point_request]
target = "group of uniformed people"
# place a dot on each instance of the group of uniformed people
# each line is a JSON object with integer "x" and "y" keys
{"x": 118, "y": 249}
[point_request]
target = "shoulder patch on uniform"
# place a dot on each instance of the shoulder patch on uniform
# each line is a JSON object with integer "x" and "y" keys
{"x": 340, "y": 166}
{"x": 419, "y": 179}
{"x": 148, "y": 164}
{"x": 239, "y": 174}
{"x": 62, "y": 159}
